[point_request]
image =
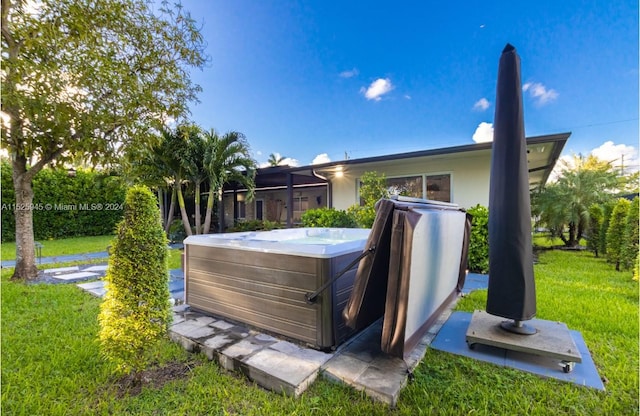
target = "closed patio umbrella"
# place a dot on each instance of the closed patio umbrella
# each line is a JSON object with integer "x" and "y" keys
{"x": 511, "y": 291}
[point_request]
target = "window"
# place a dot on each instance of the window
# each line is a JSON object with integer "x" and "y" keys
{"x": 406, "y": 186}
{"x": 439, "y": 187}
{"x": 259, "y": 209}
{"x": 242, "y": 210}
{"x": 300, "y": 205}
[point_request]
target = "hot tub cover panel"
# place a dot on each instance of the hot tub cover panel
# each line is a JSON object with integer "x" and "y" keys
{"x": 366, "y": 303}
{"x": 383, "y": 281}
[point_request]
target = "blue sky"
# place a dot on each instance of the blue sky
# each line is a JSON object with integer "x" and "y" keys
{"x": 368, "y": 78}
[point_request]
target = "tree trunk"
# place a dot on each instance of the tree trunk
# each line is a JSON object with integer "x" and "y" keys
{"x": 172, "y": 209}
{"x": 579, "y": 232}
{"x": 220, "y": 212}
{"x": 197, "y": 208}
{"x": 161, "y": 206}
{"x": 571, "y": 242}
{"x": 25, "y": 245}
{"x": 207, "y": 216}
{"x": 183, "y": 210}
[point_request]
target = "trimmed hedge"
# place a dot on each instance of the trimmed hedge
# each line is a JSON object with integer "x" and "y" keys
{"x": 136, "y": 312}
{"x": 631, "y": 235}
{"x": 328, "y": 217}
{"x": 90, "y": 203}
{"x": 254, "y": 225}
{"x": 479, "y": 242}
{"x": 615, "y": 232}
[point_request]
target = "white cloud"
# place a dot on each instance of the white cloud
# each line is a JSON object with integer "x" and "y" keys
{"x": 377, "y": 88}
{"x": 483, "y": 133}
{"x": 321, "y": 158}
{"x": 481, "y": 105}
{"x": 540, "y": 93}
{"x": 407, "y": 96}
{"x": 620, "y": 155}
{"x": 350, "y": 73}
{"x": 288, "y": 161}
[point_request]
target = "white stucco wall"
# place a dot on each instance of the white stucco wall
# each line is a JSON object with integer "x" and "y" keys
{"x": 469, "y": 176}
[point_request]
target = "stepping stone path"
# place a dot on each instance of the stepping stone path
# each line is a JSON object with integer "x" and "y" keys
{"x": 74, "y": 274}
{"x": 96, "y": 272}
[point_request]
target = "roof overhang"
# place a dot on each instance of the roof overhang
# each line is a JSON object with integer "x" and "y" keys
{"x": 542, "y": 154}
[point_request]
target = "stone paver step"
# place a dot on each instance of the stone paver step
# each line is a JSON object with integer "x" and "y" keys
{"x": 74, "y": 277}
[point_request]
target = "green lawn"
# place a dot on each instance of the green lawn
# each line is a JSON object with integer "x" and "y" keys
{"x": 61, "y": 247}
{"x": 545, "y": 240}
{"x": 77, "y": 245}
{"x": 51, "y": 363}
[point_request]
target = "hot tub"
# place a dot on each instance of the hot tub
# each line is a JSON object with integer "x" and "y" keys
{"x": 261, "y": 279}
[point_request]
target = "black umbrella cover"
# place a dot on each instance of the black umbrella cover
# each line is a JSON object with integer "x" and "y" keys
{"x": 511, "y": 283}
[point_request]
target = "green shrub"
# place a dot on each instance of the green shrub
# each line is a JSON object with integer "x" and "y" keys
{"x": 595, "y": 224}
{"x": 176, "y": 231}
{"x": 479, "y": 241}
{"x": 87, "y": 204}
{"x": 328, "y": 217}
{"x": 254, "y": 225}
{"x": 615, "y": 233}
{"x": 373, "y": 187}
{"x": 364, "y": 215}
{"x": 136, "y": 312}
{"x": 629, "y": 250}
{"x": 607, "y": 208}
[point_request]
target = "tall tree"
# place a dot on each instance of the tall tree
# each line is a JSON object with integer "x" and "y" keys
{"x": 563, "y": 206}
{"x": 87, "y": 77}
{"x": 227, "y": 159}
{"x": 193, "y": 162}
{"x": 172, "y": 153}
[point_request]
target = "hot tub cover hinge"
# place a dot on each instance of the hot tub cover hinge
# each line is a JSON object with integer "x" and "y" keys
{"x": 312, "y": 297}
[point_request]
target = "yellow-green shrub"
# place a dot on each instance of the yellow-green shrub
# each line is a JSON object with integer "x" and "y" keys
{"x": 136, "y": 311}
{"x": 615, "y": 232}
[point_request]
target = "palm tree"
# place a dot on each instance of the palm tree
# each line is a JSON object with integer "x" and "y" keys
{"x": 193, "y": 163}
{"x": 170, "y": 153}
{"x": 147, "y": 165}
{"x": 275, "y": 159}
{"x": 565, "y": 204}
{"x": 226, "y": 159}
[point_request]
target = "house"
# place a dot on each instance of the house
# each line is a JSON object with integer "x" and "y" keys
{"x": 458, "y": 174}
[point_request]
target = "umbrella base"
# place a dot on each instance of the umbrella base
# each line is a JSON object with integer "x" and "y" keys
{"x": 552, "y": 339}
{"x": 517, "y": 327}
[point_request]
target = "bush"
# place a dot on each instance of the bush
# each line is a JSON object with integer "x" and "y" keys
{"x": 176, "y": 231}
{"x": 328, "y": 217}
{"x": 479, "y": 241}
{"x": 615, "y": 233}
{"x": 364, "y": 215}
{"x": 254, "y": 225}
{"x": 373, "y": 187}
{"x": 595, "y": 225}
{"x": 136, "y": 312}
{"x": 89, "y": 203}
{"x": 629, "y": 250}
{"x": 607, "y": 208}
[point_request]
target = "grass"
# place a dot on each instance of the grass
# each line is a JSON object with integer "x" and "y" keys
{"x": 77, "y": 245}
{"x": 51, "y": 363}
{"x": 546, "y": 241}
{"x": 61, "y": 247}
